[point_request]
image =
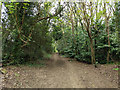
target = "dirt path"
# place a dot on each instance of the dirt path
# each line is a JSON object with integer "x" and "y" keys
{"x": 61, "y": 73}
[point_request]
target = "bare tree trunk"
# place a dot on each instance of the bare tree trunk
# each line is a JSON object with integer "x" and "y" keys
{"x": 71, "y": 18}
{"x": 108, "y": 53}
{"x": 92, "y": 52}
{"x": 87, "y": 25}
{"x": 72, "y": 22}
{"x": 92, "y": 49}
{"x": 107, "y": 31}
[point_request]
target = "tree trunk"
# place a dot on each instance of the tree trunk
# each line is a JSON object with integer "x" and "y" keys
{"x": 92, "y": 52}
{"x": 71, "y": 18}
{"x": 91, "y": 46}
{"x": 107, "y": 31}
{"x": 108, "y": 53}
{"x": 87, "y": 25}
{"x": 72, "y": 22}
{"x": 92, "y": 49}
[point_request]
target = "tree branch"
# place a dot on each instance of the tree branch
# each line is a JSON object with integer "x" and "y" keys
{"x": 44, "y": 18}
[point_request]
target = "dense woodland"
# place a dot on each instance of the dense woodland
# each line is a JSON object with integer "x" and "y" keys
{"x": 86, "y": 31}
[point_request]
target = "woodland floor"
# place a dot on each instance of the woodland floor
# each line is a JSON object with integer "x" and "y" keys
{"x": 59, "y": 72}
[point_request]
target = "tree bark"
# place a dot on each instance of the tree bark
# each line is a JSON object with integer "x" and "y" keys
{"x": 92, "y": 52}
{"x": 87, "y": 25}
{"x": 91, "y": 47}
{"x": 71, "y": 18}
{"x": 107, "y": 31}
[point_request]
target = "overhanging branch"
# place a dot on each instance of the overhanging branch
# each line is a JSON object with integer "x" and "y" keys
{"x": 44, "y": 18}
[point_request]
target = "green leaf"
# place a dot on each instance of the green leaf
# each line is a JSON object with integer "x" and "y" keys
{"x": 17, "y": 75}
{"x": 4, "y": 71}
{"x": 26, "y": 4}
{"x": 115, "y": 69}
{"x": 55, "y": 17}
{"x": 27, "y": 0}
{"x": 16, "y": 3}
{"x": 13, "y": 0}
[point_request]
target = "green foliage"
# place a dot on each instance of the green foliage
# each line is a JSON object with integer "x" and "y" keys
{"x": 80, "y": 48}
{"x": 77, "y": 49}
{"x": 19, "y": 28}
{"x": 28, "y": 36}
{"x": 57, "y": 33}
{"x": 115, "y": 31}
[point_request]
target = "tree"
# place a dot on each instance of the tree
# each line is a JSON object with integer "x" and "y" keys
{"x": 20, "y": 26}
{"x": 86, "y": 23}
{"x": 107, "y": 17}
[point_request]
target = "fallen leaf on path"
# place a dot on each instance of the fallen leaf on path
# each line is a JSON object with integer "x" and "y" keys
{"x": 3, "y": 71}
{"x": 16, "y": 74}
{"x": 115, "y": 69}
